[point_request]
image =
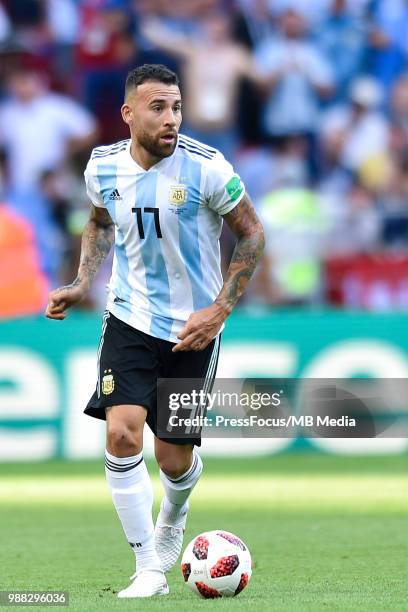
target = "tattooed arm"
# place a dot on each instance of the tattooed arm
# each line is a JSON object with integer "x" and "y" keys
{"x": 97, "y": 239}
{"x": 204, "y": 324}
{"x": 249, "y": 248}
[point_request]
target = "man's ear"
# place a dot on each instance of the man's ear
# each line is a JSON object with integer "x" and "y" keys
{"x": 127, "y": 114}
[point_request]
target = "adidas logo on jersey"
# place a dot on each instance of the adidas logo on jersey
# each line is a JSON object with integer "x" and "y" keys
{"x": 115, "y": 195}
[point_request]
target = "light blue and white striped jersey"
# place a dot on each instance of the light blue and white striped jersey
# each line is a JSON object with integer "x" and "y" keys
{"x": 167, "y": 228}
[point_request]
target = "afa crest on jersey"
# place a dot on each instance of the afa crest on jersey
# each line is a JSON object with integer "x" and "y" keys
{"x": 108, "y": 383}
{"x": 178, "y": 195}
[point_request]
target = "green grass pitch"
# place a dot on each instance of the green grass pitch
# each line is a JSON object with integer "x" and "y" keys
{"x": 326, "y": 533}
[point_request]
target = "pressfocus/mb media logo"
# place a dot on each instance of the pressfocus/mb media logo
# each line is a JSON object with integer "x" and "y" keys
{"x": 259, "y": 408}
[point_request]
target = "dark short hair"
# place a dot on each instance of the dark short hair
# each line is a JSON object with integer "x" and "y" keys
{"x": 150, "y": 72}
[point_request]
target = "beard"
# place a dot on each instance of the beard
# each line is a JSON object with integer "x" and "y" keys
{"x": 155, "y": 147}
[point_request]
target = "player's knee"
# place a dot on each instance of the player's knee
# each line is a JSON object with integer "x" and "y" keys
{"x": 122, "y": 441}
{"x": 175, "y": 466}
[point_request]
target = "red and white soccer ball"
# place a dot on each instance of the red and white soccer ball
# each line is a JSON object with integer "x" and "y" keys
{"x": 216, "y": 564}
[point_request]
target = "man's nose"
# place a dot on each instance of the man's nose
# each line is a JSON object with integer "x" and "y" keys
{"x": 170, "y": 118}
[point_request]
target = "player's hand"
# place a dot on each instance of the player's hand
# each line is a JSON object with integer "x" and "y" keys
{"x": 63, "y": 298}
{"x": 202, "y": 326}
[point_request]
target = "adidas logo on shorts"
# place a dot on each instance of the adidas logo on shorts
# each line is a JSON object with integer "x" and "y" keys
{"x": 115, "y": 195}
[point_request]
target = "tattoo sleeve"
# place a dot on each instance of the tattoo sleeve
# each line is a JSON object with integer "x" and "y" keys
{"x": 97, "y": 239}
{"x": 249, "y": 248}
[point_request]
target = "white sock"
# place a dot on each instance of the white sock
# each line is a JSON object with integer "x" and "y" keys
{"x": 177, "y": 491}
{"x": 132, "y": 495}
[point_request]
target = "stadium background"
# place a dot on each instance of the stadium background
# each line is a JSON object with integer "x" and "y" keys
{"x": 309, "y": 100}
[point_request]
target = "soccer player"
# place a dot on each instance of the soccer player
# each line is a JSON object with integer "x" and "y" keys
{"x": 160, "y": 198}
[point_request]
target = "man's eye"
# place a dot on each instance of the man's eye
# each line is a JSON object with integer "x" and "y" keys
{"x": 177, "y": 109}
{"x": 156, "y": 108}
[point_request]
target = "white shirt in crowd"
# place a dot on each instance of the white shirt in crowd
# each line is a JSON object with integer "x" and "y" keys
{"x": 35, "y": 134}
{"x": 364, "y": 138}
{"x": 292, "y": 106}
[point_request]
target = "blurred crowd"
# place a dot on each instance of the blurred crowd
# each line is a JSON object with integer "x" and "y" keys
{"x": 307, "y": 98}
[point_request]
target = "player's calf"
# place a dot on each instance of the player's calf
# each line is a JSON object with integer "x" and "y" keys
{"x": 171, "y": 521}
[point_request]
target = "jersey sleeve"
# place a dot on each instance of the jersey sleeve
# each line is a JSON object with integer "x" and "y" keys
{"x": 224, "y": 188}
{"x": 91, "y": 184}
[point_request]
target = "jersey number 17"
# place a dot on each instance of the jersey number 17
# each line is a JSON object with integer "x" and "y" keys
{"x": 139, "y": 218}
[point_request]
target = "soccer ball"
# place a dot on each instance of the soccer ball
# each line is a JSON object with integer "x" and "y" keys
{"x": 216, "y": 564}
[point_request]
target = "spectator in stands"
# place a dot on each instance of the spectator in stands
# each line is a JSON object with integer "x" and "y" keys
{"x": 394, "y": 205}
{"x": 30, "y": 24}
{"x": 296, "y": 225}
{"x": 212, "y": 67}
{"x": 63, "y": 25}
{"x": 389, "y": 40}
{"x": 253, "y": 22}
{"x": 23, "y": 286}
{"x": 185, "y": 10}
{"x": 355, "y": 221}
{"x": 264, "y": 169}
{"x": 298, "y": 76}
{"x": 39, "y": 129}
{"x": 35, "y": 207}
{"x": 399, "y": 115}
{"x": 341, "y": 38}
{"x": 5, "y": 25}
{"x": 359, "y": 131}
{"x": 106, "y": 52}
